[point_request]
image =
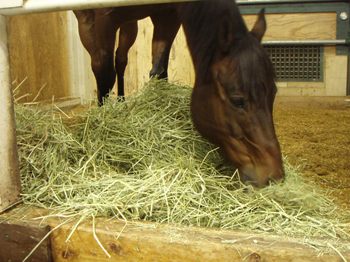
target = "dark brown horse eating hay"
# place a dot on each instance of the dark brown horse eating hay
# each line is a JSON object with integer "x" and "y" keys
{"x": 234, "y": 90}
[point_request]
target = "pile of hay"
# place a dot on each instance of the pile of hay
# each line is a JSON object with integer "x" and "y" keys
{"x": 142, "y": 160}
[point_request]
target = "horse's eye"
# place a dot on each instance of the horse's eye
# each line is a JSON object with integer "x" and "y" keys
{"x": 238, "y": 101}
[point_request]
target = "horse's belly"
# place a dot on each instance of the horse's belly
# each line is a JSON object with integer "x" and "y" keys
{"x": 133, "y": 13}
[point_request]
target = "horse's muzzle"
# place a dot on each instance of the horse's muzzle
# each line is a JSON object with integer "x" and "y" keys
{"x": 260, "y": 176}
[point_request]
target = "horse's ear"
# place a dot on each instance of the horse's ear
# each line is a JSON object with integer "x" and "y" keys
{"x": 259, "y": 28}
{"x": 225, "y": 33}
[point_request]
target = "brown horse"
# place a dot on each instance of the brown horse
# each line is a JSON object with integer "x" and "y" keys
{"x": 232, "y": 100}
{"x": 97, "y": 30}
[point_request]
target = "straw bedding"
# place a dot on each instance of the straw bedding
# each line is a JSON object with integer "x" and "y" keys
{"x": 142, "y": 160}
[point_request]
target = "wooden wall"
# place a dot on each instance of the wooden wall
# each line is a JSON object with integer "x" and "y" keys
{"x": 39, "y": 55}
{"x": 46, "y": 49}
{"x": 310, "y": 26}
{"x": 180, "y": 65}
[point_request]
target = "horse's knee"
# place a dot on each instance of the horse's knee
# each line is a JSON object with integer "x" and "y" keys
{"x": 104, "y": 73}
{"x": 102, "y": 61}
{"x": 103, "y": 68}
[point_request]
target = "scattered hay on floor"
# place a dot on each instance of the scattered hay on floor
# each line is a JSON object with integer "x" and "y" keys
{"x": 142, "y": 160}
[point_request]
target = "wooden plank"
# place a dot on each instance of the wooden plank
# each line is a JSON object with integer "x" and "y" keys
{"x": 140, "y": 59}
{"x": 39, "y": 53}
{"x": 9, "y": 171}
{"x": 39, "y": 6}
{"x": 310, "y": 26}
{"x": 154, "y": 242}
{"x": 141, "y": 241}
{"x": 83, "y": 83}
{"x": 181, "y": 69}
{"x": 18, "y": 239}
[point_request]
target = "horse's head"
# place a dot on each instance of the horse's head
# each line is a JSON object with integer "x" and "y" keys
{"x": 233, "y": 108}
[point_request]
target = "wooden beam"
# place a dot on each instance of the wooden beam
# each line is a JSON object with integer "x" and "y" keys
{"x": 10, "y": 3}
{"x": 153, "y": 242}
{"x": 39, "y": 6}
{"x": 9, "y": 173}
{"x": 136, "y": 241}
{"x": 18, "y": 239}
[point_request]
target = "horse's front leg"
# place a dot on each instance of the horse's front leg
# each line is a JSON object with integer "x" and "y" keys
{"x": 166, "y": 25}
{"x": 103, "y": 68}
{"x": 97, "y": 33}
{"x": 127, "y": 37}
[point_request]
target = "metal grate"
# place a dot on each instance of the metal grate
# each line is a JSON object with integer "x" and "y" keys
{"x": 297, "y": 63}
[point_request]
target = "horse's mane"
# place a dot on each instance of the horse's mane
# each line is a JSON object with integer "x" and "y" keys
{"x": 202, "y": 20}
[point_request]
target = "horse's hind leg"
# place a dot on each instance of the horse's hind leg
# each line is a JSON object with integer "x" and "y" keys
{"x": 166, "y": 25}
{"x": 97, "y": 33}
{"x": 127, "y": 37}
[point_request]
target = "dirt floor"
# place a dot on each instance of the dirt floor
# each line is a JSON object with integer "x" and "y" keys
{"x": 315, "y": 135}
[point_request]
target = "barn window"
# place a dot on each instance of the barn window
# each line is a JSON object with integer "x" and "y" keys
{"x": 297, "y": 63}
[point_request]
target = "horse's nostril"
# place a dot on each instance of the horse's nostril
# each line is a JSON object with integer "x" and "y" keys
{"x": 250, "y": 177}
{"x": 246, "y": 179}
{"x": 260, "y": 177}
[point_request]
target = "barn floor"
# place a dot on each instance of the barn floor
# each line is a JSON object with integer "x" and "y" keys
{"x": 315, "y": 134}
